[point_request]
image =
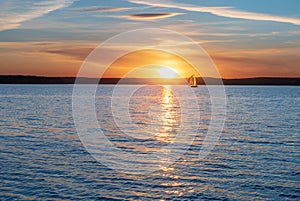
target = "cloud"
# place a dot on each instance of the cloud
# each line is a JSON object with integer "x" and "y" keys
{"x": 151, "y": 16}
{"x": 221, "y": 11}
{"x": 76, "y": 53}
{"x": 71, "y": 50}
{"x": 279, "y": 61}
{"x": 13, "y": 13}
{"x": 103, "y": 9}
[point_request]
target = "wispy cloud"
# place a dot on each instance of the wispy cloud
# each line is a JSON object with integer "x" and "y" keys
{"x": 77, "y": 53}
{"x": 14, "y": 13}
{"x": 103, "y": 9}
{"x": 229, "y": 12}
{"x": 76, "y": 50}
{"x": 266, "y": 62}
{"x": 150, "y": 16}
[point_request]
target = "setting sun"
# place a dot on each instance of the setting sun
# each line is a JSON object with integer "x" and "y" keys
{"x": 166, "y": 72}
{"x": 150, "y": 64}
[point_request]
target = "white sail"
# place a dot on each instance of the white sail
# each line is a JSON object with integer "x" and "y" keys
{"x": 193, "y": 81}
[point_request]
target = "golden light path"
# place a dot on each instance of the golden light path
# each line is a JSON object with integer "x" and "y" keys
{"x": 169, "y": 118}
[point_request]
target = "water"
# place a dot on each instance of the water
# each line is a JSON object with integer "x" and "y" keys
{"x": 256, "y": 158}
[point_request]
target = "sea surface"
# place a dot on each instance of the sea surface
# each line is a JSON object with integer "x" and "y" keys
{"x": 257, "y": 156}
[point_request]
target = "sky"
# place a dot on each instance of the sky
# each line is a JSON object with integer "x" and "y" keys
{"x": 244, "y": 38}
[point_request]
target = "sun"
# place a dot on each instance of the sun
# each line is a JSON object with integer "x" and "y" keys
{"x": 166, "y": 72}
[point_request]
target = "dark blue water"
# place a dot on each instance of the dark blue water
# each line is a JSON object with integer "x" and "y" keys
{"x": 256, "y": 158}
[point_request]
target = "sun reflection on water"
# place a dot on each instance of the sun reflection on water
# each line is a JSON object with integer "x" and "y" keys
{"x": 160, "y": 115}
{"x": 169, "y": 116}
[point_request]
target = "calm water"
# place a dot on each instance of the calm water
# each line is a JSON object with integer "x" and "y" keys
{"x": 256, "y": 158}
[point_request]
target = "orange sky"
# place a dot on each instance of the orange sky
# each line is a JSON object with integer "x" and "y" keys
{"x": 65, "y": 58}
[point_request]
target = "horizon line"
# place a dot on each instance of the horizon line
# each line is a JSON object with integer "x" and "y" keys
{"x": 50, "y": 76}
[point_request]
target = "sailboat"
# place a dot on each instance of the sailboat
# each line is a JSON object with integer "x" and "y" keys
{"x": 192, "y": 81}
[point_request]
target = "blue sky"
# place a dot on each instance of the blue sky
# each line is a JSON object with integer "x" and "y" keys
{"x": 245, "y": 38}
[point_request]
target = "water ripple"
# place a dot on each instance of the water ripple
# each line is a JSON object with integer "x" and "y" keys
{"x": 257, "y": 157}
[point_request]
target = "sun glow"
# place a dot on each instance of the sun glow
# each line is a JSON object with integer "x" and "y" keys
{"x": 166, "y": 72}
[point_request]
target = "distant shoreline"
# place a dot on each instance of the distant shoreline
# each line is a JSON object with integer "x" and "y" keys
{"x": 18, "y": 79}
